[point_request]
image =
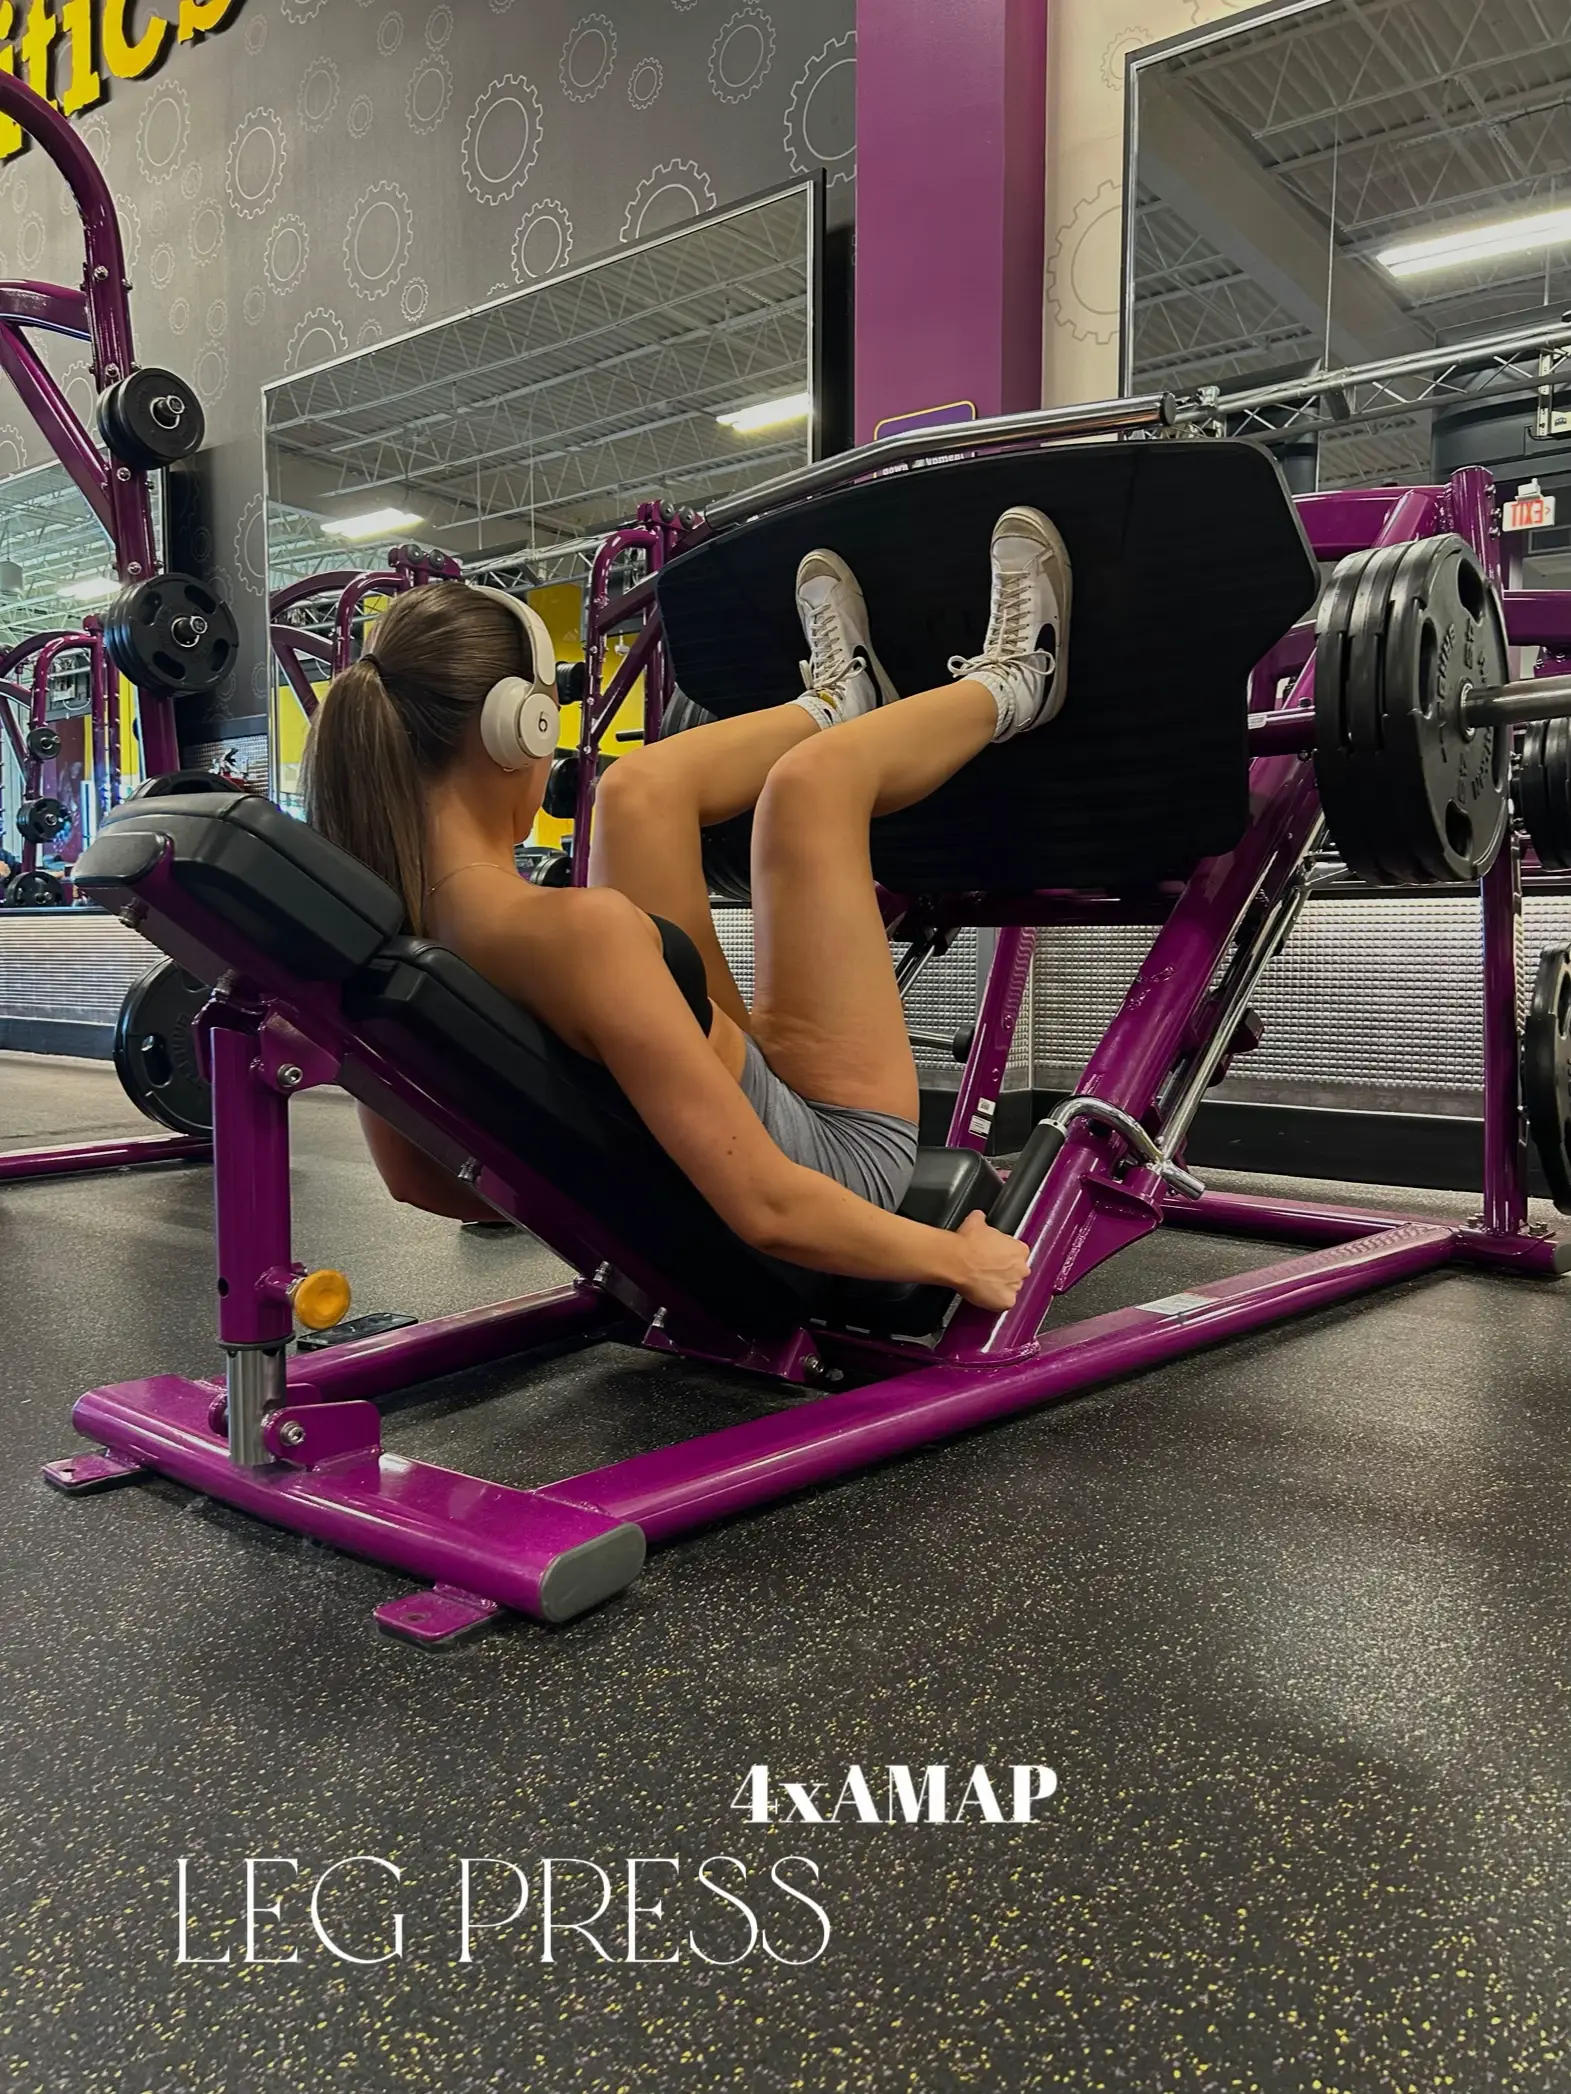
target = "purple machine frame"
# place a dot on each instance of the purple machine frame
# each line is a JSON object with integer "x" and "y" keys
{"x": 298, "y": 1441}
{"x": 298, "y": 649}
{"x": 99, "y": 313}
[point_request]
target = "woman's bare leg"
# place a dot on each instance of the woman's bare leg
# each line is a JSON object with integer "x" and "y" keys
{"x": 651, "y": 806}
{"x": 826, "y": 1007}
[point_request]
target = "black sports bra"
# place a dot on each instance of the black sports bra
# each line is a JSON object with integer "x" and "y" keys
{"x": 687, "y": 970}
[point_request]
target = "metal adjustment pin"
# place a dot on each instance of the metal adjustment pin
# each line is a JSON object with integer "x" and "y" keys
{"x": 290, "y": 1078}
{"x": 292, "y": 1434}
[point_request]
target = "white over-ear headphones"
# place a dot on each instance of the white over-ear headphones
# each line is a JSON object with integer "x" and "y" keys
{"x": 521, "y": 719}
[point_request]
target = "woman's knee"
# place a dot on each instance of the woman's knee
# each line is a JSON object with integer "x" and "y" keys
{"x": 635, "y": 792}
{"x": 815, "y": 779}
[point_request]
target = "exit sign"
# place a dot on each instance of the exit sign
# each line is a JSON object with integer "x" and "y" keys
{"x": 1530, "y": 512}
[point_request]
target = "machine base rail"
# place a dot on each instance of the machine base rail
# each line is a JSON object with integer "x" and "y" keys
{"x": 24, "y": 1164}
{"x": 557, "y": 1552}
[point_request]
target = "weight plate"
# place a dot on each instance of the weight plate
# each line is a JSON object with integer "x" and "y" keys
{"x": 554, "y": 871}
{"x": 1546, "y": 1073}
{"x": 1543, "y": 792}
{"x": 155, "y": 1050}
{"x": 41, "y": 821}
{"x": 34, "y": 890}
{"x": 171, "y": 634}
{"x": 43, "y": 743}
{"x": 151, "y": 419}
{"x": 728, "y": 846}
{"x": 1413, "y": 795}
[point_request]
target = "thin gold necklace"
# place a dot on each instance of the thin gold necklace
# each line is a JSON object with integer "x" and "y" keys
{"x": 474, "y": 865}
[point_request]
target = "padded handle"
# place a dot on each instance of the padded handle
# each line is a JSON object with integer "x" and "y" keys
{"x": 119, "y": 858}
{"x": 1028, "y": 1177}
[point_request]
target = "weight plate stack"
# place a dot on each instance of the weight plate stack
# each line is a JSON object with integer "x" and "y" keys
{"x": 151, "y": 419}
{"x": 34, "y": 890}
{"x": 155, "y": 1050}
{"x": 1414, "y": 795}
{"x": 1546, "y": 1073}
{"x": 171, "y": 634}
{"x": 728, "y": 846}
{"x": 1543, "y": 792}
{"x": 42, "y": 821}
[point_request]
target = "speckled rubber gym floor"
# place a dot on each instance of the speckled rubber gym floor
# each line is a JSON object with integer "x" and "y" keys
{"x": 1290, "y": 1621}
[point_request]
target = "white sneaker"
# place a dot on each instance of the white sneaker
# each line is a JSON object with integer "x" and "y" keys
{"x": 843, "y": 676}
{"x": 1025, "y": 658}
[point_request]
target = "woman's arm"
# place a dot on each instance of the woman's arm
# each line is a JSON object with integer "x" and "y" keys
{"x": 597, "y": 979}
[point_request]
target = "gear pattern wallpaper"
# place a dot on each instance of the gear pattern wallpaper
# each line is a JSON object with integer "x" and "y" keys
{"x": 327, "y": 174}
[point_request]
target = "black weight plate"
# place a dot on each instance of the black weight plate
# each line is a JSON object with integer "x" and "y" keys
{"x": 1445, "y": 638}
{"x": 1348, "y": 766}
{"x": 1546, "y": 1073}
{"x": 41, "y": 821}
{"x": 728, "y": 846}
{"x": 151, "y": 419}
{"x": 171, "y": 633}
{"x": 1544, "y": 792}
{"x": 554, "y": 871}
{"x": 34, "y": 890}
{"x": 155, "y": 1052}
{"x": 43, "y": 743}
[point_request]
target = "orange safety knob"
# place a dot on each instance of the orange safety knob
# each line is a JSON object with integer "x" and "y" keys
{"x": 321, "y": 1300}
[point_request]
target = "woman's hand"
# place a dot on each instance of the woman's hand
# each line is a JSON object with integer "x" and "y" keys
{"x": 993, "y": 1266}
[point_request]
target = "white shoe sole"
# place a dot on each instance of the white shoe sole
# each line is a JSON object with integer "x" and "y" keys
{"x": 887, "y": 694}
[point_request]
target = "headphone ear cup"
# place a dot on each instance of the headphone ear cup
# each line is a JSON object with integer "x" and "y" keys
{"x": 539, "y": 725}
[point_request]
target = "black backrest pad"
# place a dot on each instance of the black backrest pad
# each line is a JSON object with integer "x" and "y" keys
{"x": 1189, "y": 564}
{"x": 306, "y": 903}
{"x": 433, "y": 1014}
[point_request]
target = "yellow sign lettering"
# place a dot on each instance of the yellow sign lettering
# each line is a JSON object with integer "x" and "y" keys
{"x": 11, "y": 139}
{"x": 85, "y": 88}
{"x": 125, "y": 59}
{"x": 198, "y": 16}
{"x": 36, "y": 41}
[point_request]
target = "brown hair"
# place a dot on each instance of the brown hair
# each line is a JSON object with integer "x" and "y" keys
{"x": 389, "y": 727}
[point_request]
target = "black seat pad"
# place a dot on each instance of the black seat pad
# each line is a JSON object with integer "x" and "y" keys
{"x": 1189, "y": 564}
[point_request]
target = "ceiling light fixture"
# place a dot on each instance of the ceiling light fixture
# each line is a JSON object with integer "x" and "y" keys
{"x": 90, "y": 588}
{"x": 769, "y": 414}
{"x": 1478, "y": 243}
{"x": 373, "y": 523}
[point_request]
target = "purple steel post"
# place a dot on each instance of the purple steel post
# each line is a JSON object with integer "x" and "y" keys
{"x": 1471, "y": 505}
{"x": 251, "y": 1209}
{"x": 119, "y": 495}
{"x": 647, "y": 537}
{"x": 988, "y": 1062}
{"x": 351, "y": 604}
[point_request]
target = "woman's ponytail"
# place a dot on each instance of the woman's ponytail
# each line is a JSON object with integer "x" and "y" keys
{"x": 393, "y": 723}
{"x": 362, "y": 789}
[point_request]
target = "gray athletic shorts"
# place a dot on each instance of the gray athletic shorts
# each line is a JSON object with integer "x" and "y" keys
{"x": 872, "y": 1154}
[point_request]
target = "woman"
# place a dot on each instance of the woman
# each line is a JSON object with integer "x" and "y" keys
{"x": 796, "y": 1120}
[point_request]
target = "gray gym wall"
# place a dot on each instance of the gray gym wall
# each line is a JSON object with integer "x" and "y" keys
{"x": 323, "y": 174}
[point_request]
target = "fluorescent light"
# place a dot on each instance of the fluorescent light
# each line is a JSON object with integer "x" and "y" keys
{"x": 90, "y": 588}
{"x": 372, "y": 523}
{"x": 1478, "y": 243}
{"x": 769, "y": 414}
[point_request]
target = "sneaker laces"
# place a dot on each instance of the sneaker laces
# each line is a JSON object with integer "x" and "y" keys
{"x": 1039, "y": 658}
{"x": 1006, "y": 630}
{"x": 832, "y": 666}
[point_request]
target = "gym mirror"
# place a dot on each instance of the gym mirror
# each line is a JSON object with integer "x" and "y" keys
{"x": 515, "y": 436}
{"x": 56, "y": 569}
{"x": 1342, "y": 183}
